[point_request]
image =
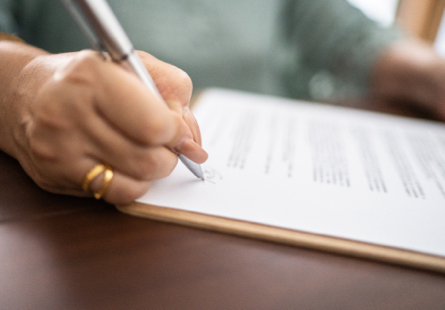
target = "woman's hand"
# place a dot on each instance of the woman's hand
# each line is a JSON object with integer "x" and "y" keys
{"x": 410, "y": 73}
{"x": 70, "y": 112}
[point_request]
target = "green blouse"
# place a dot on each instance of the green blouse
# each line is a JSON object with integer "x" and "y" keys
{"x": 315, "y": 49}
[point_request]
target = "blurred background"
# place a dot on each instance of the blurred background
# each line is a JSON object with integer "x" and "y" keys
{"x": 421, "y": 18}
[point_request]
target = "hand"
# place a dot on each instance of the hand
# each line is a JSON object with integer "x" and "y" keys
{"x": 176, "y": 89}
{"x": 412, "y": 74}
{"x": 74, "y": 111}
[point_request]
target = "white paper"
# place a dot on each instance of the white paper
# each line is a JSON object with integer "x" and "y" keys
{"x": 334, "y": 171}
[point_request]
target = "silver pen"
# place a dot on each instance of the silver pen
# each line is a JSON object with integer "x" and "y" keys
{"x": 104, "y": 32}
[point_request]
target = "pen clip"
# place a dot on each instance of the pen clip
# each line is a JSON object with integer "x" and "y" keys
{"x": 94, "y": 40}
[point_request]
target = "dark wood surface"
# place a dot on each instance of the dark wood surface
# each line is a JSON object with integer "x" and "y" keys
{"x": 60, "y": 252}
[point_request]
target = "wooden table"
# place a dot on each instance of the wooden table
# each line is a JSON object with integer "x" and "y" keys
{"x": 61, "y": 252}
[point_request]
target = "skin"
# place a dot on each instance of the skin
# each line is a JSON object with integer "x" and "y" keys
{"x": 410, "y": 74}
{"x": 63, "y": 114}
{"x": 60, "y": 115}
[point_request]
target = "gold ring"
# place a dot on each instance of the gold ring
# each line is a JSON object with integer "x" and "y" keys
{"x": 107, "y": 179}
{"x": 95, "y": 172}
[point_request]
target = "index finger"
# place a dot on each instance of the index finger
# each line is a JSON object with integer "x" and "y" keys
{"x": 130, "y": 106}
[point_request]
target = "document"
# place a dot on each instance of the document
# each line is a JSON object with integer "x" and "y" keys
{"x": 318, "y": 169}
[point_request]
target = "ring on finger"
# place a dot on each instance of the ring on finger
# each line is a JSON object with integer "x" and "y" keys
{"x": 107, "y": 170}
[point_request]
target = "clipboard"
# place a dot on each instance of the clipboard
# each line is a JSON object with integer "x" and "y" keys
{"x": 397, "y": 251}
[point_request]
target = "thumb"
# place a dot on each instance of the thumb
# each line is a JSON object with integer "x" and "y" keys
{"x": 185, "y": 144}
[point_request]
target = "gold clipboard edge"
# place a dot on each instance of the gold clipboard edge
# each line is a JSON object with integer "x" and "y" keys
{"x": 302, "y": 239}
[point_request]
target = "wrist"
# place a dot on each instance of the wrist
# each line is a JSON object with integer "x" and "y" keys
{"x": 14, "y": 57}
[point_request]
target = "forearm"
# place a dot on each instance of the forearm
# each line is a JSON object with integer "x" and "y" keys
{"x": 14, "y": 57}
{"x": 336, "y": 41}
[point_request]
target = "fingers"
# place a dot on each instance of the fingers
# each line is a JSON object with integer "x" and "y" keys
{"x": 176, "y": 88}
{"x": 173, "y": 83}
{"x": 138, "y": 135}
{"x": 119, "y": 188}
{"x": 66, "y": 175}
{"x": 192, "y": 151}
{"x": 193, "y": 125}
{"x": 123, "y": 189}
{"x": 129, "y": 106}
{"x": 150, "y": 121}
{"x": 93, "y": 112}
{"x": 139, "y": 161}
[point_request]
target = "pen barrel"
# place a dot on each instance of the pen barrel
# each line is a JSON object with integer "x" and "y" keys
{"x": 134, "y": 64}
{"x": 112, "y": 38}
{"x": 107, "y": 27}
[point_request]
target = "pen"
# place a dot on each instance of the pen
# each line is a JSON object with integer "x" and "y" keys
{"x": 104, "y": 32}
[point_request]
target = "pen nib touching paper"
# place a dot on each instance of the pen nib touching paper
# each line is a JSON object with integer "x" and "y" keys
{"x": 211, "y": 175}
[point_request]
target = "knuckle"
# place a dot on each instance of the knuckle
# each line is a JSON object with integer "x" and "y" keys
{"x": 145, "y": 57}
{"x": 158, "y": 131}
{"x": 167, "y": 169}
{"x": 156, "y": 164}
{"x": 46, "y": 184}
{"x": 46, "y": 181}
{"x": 83, "y": 67}
{"x": 87, "y": 58}
{"x": 183, "y": 85}
{"x": 40, "y": 148}
{"x": 183, "y": 79}
{"x": 151, "y": 136}
{"x": 50, "y": 117}
{"x": 155, "y": 129}
{"x": 172, "y": 80}
{"x": 41, "y": 151}
{"x": 147, "y": 166}
{"x": 170, "y": 160}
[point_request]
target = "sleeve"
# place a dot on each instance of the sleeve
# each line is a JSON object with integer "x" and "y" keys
{"x": 7, "y": 22}
{"x": 21, "y": 17}
{"x": 336, "y": 46}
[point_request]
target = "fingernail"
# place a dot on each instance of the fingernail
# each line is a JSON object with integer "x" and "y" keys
{"x": 192, "y": 151}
